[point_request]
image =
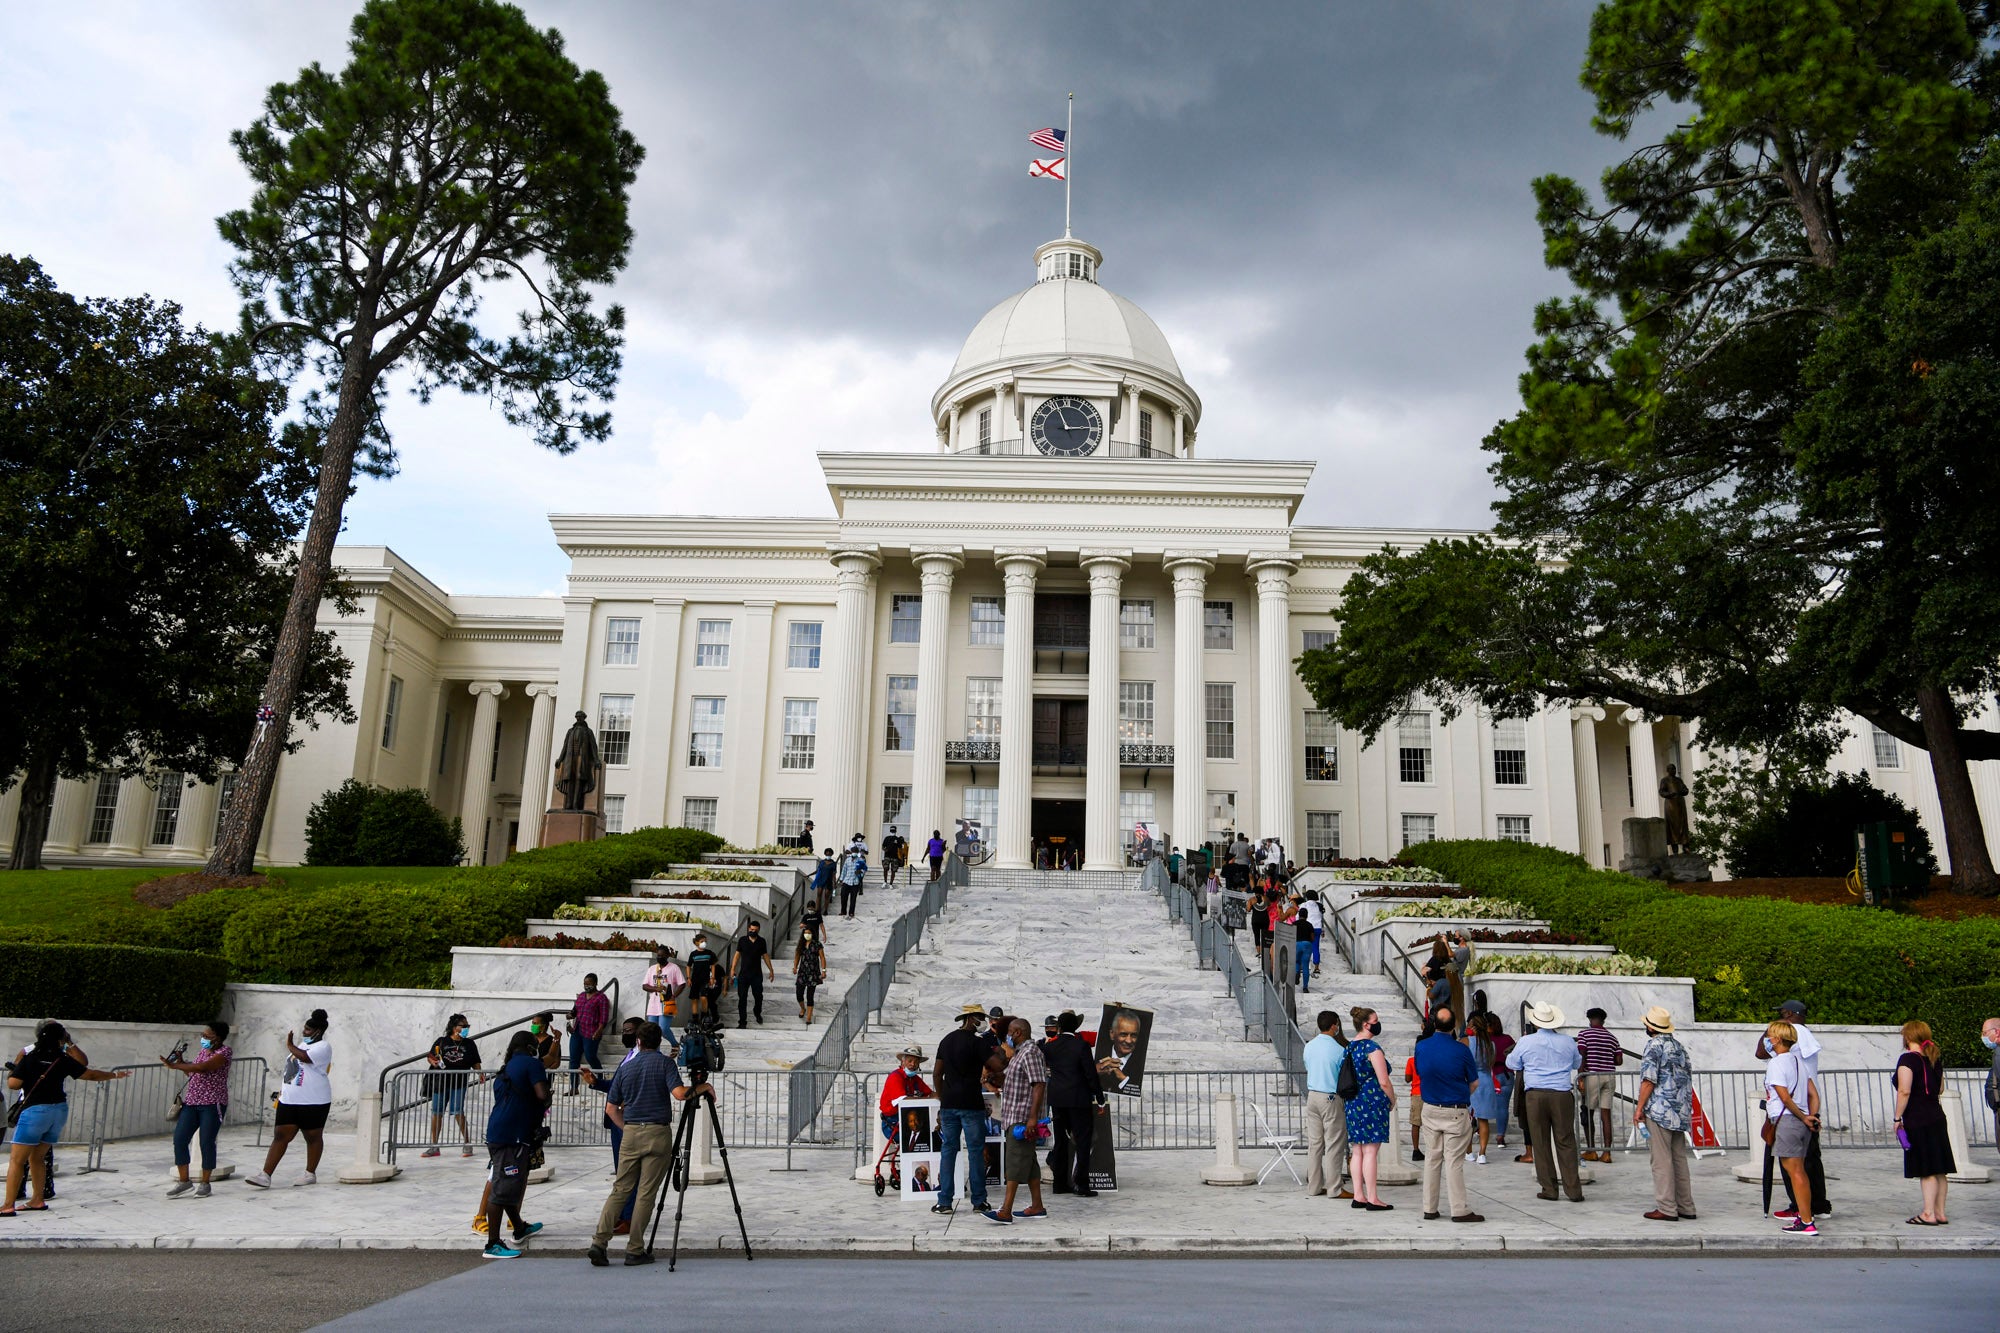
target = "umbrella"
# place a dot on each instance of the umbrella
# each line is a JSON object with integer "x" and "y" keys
{"x": 1768, "y": 1162}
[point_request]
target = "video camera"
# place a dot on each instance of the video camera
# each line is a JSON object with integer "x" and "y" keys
{"x": 701, "y": 1048}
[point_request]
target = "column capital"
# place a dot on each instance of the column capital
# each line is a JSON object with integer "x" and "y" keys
{"x": 1586, "y": 713}
{"x": 669, "y": 603}
{"x": 1275, "y": 564}
{"x": 1106, "y": 568}
{"x": 1037, "y": 556}
{"x": 863, "y": 553}
{"x": 541, "y": 689}
{"x": 492, "y": 687}
{"x": 948, "y": 558}
{"x": 1190, "y": 571}
{"x": 1633, "y": 717}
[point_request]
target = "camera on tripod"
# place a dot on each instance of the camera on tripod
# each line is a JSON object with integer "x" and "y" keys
{"x": 701, "y": 1048}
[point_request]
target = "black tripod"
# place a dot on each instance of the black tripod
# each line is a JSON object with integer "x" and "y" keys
{"x": 678, "y": 1164}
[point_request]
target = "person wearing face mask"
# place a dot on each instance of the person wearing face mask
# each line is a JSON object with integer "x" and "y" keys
{"x": 203, "y": 1102}
{"x": 38, "y": 1076}
{"x": 588, "y": 1017}
{"x": 454, "y": 1062}
{"x": 548, "y": 1039}
{"x": 628, "y": 1036}
{"x": 303, "y": 1101}
{"x": 1369, "y": 1109}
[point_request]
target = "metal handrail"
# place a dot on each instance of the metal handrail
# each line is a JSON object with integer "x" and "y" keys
{"x": 382, "y": 1081}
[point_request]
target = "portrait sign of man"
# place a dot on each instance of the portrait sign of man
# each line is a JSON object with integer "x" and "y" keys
{"x": 917, "y": 1130}
{"x": 1121, "y": 1048}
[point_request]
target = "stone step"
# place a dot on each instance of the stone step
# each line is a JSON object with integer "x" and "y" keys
{"x": 986, "y": 877}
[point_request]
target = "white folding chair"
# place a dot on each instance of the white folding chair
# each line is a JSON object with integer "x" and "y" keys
{"x": 1281, "y": 1146}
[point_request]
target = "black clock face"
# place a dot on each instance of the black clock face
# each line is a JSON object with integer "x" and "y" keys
{"x": 1067, "y": 427}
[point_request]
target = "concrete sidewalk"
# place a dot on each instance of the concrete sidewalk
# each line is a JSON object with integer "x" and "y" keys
{"x": 1163, "y": 1208}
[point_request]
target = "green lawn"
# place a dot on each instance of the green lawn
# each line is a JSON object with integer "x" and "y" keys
{"x": 81, "y": 900}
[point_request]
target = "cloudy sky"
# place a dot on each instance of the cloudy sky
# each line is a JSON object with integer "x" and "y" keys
{"x": 1325, "y": 207}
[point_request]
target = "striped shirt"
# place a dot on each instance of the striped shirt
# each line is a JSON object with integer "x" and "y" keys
{"x": 1600, "y": 1050}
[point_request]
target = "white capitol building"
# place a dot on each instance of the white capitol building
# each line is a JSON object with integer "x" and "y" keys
{"x": 1063, "y": 621}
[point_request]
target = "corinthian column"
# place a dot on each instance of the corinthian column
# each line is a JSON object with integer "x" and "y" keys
{"x": 1102, "y": 849}
{"x": 1589, "y": 790}
{"x": 846, "y": 697}
{"x": 1274, "y": 697}
{"x": 936, "y": 565}
{"x": 1190, "y": 571}
{"x": 536, "y": 764}
{"x": 1019, "y": 566}
{"x": 486, "y": 695}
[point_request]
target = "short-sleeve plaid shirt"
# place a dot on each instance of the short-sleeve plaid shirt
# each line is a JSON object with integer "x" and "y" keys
{"x": 1017, "y": 1093}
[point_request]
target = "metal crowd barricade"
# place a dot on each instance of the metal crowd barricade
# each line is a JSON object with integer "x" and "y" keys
{"x": 141, "y": 1106}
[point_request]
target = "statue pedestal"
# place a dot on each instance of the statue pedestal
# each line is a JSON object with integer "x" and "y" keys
{"x": 560, "y": 826}
{"x": 1685, "y": 868}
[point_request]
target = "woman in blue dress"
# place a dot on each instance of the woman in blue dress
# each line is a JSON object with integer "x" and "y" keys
{"x": 1492, "y": 1088}
{"x": 1368, "y": 1111}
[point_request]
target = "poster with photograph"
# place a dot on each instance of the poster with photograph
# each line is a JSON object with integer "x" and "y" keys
{"x": 1104, "y": 1155}
{"x": 920, "y": 1176}
{"x": 968, "y": 841}
{"x": 916, "y": 1125}
{"x": 1121, "y": 1048}
{"x": 1235, "y": 909}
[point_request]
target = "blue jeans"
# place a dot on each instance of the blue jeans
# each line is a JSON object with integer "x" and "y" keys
{"x": 582, "y": 1051}
{"x": 1302, "y": 970}
{"x": 970, "y": 1126}
{"x": 207, "y": 1120}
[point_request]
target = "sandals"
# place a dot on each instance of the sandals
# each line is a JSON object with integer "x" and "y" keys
{"x": 1920, "y": 1221}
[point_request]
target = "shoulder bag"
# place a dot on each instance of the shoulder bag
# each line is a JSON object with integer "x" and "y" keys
{"x": 14, "y": 1111}
{"x": 1348, "y": 1084}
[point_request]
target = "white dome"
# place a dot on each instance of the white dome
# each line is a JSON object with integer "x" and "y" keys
{"x": 1066, "y": 316}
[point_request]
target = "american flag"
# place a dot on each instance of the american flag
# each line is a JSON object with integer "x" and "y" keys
{"x": 1050, "y": 139}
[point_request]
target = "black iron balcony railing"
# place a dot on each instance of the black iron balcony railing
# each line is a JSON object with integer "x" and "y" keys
{"x": 982, "y": 751}
{"x": 1145, "y": 754}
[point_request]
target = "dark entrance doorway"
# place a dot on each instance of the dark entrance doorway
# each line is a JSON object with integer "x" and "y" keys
{"x": 1062, "y": 727}
{"x": 1057, "y": 825}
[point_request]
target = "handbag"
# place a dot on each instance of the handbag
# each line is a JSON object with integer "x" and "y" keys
{"x": 1770, "y": 1130}
{"x": 14, "y": 1111}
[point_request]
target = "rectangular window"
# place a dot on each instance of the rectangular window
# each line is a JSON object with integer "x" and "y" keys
{"x": 1888, "y": 750}
{"x": 792, "y": 817}
{"x": 614, "y": 729}
{"x": 1145, "y": 435}
{"x": 1135, "y": 710}
{"x": 802, "y": 645}
{"x": 902, "y": 723}
{"x": 1135, "y": 622}
{"x": 614, "y": 814}
{"x": 1221, "y": 813}
{"x": 1322, "y": 747}
{"x": 1322, "y": 836}
{"x": 498, "y": 733}
{"x": 168, "y": 788}
{"x": 711, "y": 643}
{"x": 1220, "y": 718}
{"x": 1514, "y": 828}
{"x": 1134, "y": 807}
{"x": 1413, "y": 747}
{"x": 103, "y": 808}
{"x": 621, "y": 642}
{"x": 698, "y": 812}
{"x": 1319, "y": 638}
{"x": 1631, "y": 798}
{"x": 392, "y": 711}
{"x": 896, "y": 805}
{"x": 1218, "y": 624}
{"x": 705, "y": 727}
{"x": 227, "y": 789}
{"x": 801, "y": 735}
{"x": 989, "y": 621}
{"x": 982, "y": 708}
{"x": 1510, "y": 752}
{"x": 444, "y": 741}
{"x": 906, "y": 617}
{"x": 1419, "y": 828}
{"x": 985, "y": 430}
{"x": 982, "y": 805}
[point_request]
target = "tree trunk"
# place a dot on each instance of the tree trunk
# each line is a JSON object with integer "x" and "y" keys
{"x": 1964, "y": 834}
{"x": 243, "y": 822}
{"x": 31, "y": 824}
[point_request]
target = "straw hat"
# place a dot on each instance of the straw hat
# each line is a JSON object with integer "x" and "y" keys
{"x": 1545, "y": 1015}
{"x": 966, "y": 1011}
{"x": 1657, "y": 1019}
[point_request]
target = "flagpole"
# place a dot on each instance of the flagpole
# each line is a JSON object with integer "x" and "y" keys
{"x": 1069, "y": 144}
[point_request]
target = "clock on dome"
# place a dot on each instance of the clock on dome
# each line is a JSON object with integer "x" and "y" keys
{"x": 1067, "y": 427}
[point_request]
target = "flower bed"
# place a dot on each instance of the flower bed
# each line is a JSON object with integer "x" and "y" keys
{"x": 1458, "y": 909}
{"x": 616, "y": 941}
{"x": 1388, "y": 875}
{"x": 1565, "y": 965}
{"x": 1387, "y": 891}
{"x": 1484, "y": 936}
{"x": 663, "y": 916}
{"x": 692, "y": 895}
{"x": 707, "y": 875}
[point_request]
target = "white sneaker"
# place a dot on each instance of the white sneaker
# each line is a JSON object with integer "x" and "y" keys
{"x": 1481, "y": 1159}
{"x": 309, "y": 1178}
{"x": 260, "y": 1181}
{"x": 1472, "y": 1157}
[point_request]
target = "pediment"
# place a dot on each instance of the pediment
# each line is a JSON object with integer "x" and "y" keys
{"x": 1069, "y": 375}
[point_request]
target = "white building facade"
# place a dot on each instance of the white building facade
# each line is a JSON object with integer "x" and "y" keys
{"x": 1060, "y": 623}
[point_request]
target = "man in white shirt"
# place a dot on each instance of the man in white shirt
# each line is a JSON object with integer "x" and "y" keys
{"x": 1806, "y": 1051}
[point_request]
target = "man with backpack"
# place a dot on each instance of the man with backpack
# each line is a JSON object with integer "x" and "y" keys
{"x": 853, "y": 875}
{"x": 895, "y": 851}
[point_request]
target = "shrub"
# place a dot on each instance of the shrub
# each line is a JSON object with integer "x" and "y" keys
{"x": 333, "y": 825}
{"x": 663, "y": 916}
{"x": 765, "y": 849}
{"x": 1810, "y": 830}
{"x": 1459, "y": 909}
{"x": 1748, "y": 955}
{"x": 1388, "y": 875}
{"x": 114, "y": 983}
{"x": 401, "y": 827}
{"x": 710, "y": 875}
{"x": 1565, "y": 965}
{"x": 1955, "y": 1015}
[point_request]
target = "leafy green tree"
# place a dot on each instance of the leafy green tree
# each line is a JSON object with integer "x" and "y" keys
{"x": 146, "y": 513}
{"x": 1809, "y": 829}
{"x": 1700, "y": 515}
{"x": 459, "y": 152}
{"x": 401, "y": 827}
{"x": 333, "y": 825}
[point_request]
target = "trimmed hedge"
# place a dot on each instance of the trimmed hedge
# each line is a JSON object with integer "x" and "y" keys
{"x": 1747, "y": 955}
{"x": 1955, "y": 1015}
{"x": 110, "y": 983}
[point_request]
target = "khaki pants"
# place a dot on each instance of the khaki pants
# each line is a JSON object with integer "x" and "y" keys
{"x": 1552, "y": 1135}
{"x": 643, "y": 1158}
{"x": 1326, "y": 1142}
{"x": 1673, "y": 1191}
{"x": 1447, "y": 1134}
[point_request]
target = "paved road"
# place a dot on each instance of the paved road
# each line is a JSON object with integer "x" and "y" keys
{"x": 833, "y": 1295}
